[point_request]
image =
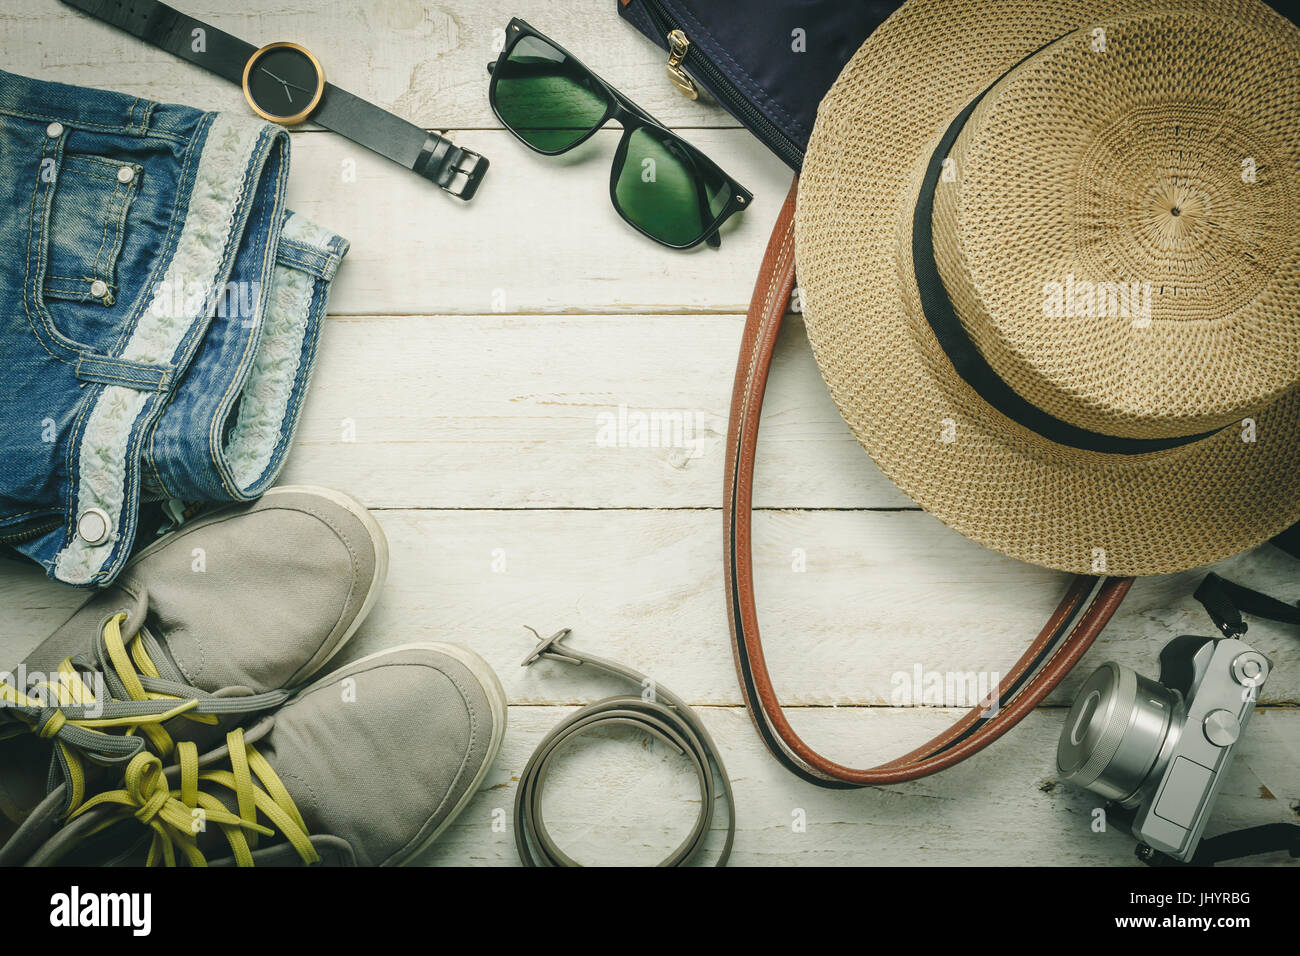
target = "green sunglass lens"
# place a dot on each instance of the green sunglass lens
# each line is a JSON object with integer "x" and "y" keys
{"x": 547, "y": 98}
{"x": 667, "y": 189}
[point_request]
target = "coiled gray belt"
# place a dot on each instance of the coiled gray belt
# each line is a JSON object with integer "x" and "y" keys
{"x": 662, "y": 715}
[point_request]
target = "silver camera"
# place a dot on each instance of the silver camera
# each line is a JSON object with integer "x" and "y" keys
{"x": 1159, "y": 749}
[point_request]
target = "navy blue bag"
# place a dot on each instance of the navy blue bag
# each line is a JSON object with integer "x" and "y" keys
{"x": 769, "y": 77}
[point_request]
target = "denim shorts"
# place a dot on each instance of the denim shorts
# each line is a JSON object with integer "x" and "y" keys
{"x": 160, "y": 310}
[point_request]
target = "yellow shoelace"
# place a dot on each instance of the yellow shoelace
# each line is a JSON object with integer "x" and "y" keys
{"x": 178, "y": 816}
{"x": 28, "y": 713}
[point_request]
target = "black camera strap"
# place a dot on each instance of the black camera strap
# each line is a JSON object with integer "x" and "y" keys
{"x": 1225, "y": 601}
{"x": 1268, "y": 838}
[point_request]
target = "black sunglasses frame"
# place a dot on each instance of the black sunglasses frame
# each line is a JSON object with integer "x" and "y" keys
{"x": 631, "y": 117}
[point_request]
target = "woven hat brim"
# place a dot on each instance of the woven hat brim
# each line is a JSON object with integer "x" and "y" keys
{"x": 958, "y": 458}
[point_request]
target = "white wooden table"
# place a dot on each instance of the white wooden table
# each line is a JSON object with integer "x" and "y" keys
{"x": 473, "y": 354}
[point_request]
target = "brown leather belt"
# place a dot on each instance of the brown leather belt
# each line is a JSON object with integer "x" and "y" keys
{"x": 1049, "y": 658}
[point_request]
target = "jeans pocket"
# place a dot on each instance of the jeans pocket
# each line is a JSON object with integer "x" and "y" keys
{"x": 87, "y": 225}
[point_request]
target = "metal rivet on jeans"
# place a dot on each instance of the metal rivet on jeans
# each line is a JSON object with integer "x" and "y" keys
{"x": 125, "y": 174}
{"x": 99, "y": 288}
{"x": 93, "y": 526}
{"x": 54, "y": 130}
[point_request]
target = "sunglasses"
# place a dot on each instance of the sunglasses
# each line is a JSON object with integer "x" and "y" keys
{"x": 660, "y": 184}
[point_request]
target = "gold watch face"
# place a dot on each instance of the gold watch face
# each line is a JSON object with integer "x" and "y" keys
{"x": 283, "y": 83}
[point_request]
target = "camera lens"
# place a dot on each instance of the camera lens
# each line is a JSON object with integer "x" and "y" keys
{"x": 1115, "y": 731}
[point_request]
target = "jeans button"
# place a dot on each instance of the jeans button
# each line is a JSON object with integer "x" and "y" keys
{"x": 93, "y": 526}
{"x": 125, "y": 174}
{"x": 54, "y": 130}
{"x": 99, "y": 288}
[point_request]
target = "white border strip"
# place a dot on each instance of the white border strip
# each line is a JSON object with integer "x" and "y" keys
{"x": 264, "y": 403}
{"x": 209, "y": 224}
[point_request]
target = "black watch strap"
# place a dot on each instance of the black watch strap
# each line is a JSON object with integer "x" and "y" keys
{"x": 455, "y": 169}
{"x": 436, "y": 158}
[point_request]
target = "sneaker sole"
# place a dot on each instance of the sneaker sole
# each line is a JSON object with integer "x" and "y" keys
{"x": 498, "y": 707}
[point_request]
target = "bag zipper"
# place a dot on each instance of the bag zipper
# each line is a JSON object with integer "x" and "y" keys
{"x": 678, "y": 47}
{"x": 683, "y": 56}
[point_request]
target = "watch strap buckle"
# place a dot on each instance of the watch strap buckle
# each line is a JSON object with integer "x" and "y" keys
{"x": 452, "y": 168}
{"x": 467, "y": 169}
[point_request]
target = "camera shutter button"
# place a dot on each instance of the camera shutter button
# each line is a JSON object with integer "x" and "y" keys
{"x": 1221, "y": 728}
{"x": 1250, "y": 669}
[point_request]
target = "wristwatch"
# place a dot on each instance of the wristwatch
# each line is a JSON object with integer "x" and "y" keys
{"x": 284, "y": 83}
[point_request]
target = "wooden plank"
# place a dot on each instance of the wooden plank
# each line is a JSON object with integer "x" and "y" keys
{"x": 620, "y": 799}
{"x": 567, "y": 411}
{"x": 426, "y": 62}
{"x": 541, "y": 235}
{"x": 883, "y": 593}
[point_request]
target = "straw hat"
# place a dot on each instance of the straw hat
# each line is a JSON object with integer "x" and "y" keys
{"x": 1049, "y": 255}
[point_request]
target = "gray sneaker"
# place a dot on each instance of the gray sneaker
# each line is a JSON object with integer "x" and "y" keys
{"x": 365, "y": 767}
{"x": 223, "y": 618}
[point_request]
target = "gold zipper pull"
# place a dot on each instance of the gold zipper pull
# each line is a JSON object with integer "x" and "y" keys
{"x": 678, "y": 44}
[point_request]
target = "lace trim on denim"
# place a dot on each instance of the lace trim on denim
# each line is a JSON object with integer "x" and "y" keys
{"x": 264, "y": 404}
{"x": 209, "y": 225}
